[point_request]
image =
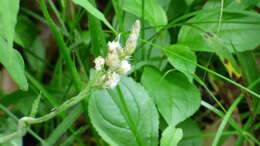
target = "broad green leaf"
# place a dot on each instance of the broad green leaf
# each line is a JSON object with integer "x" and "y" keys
{"x": 10, "y": 58}
{"x": 190, "y": 130}
{"x": 171, "y": 136}
{"x": 165, "y": 4}
{"x": 238, "y": 32}
{"x": 153, "y": 12}
{"x": 176, "y": 98}
{"x": 176, "y": 9}
{"x": 13, "y": 62}
{"x": 94, "y": 11}
{"x": 180, "y": 64}
{"x": 125, "y": 115}
{"x": 8, "y": 17}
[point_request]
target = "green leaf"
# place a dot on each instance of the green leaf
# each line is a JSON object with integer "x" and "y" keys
{"x": 8, "y": 17}
{"x": 171, "y": 136}
{"x": 182, "y": 65}
{"x": 176, "y": 98}
{"x": 94, "y": 11}
{"x": 10, "y": 58}
{"x": 191, "y": 131}
{"x": 13, "y": 62}
{"x": 125, "y": 115}
{"x": 238, "y": 32}
{"x": 153, "y": 12}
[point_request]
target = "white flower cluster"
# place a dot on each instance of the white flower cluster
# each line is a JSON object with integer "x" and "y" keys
{"x": 116, "y": 62}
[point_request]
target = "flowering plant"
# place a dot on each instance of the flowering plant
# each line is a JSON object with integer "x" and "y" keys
{"x": 108, "y": 74}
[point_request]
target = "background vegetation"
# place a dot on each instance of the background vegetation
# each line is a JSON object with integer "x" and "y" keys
{"x": 194, "y": 78}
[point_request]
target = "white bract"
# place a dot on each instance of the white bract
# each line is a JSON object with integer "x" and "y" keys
{"x": 99, "y": 63}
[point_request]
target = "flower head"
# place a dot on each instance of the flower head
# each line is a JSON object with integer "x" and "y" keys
{"x": 124, "y": 67}
{"x": 131, "y": 42}
{"x": 112, "y": 80}
{"x": 112, "y": 60}
{"x": 114, "y": 46}
{"x": 116, "y": 62}
{"x": 99, "y": 63}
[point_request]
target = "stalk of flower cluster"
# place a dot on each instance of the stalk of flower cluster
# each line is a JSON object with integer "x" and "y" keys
{"x": 25, "y": 122}
{"x": 108, "y": 71}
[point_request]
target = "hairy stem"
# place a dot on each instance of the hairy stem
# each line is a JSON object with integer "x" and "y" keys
{"x": 25, "y": 122}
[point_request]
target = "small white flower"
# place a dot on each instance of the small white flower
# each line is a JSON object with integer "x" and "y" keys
{"x": 124, "y": 67}
{"x": 112, "y": 60}
{"x": 114, "y": 46}
{"x": 99, "y": 63}
{"x": 112, "y": 80}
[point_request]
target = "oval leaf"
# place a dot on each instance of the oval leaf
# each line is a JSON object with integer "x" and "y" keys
{"x": 238, "y": 32}
{"x": 125, "y": 115}
{"x": 13, "y": 62}
{"x": 180, "y": 64}
{"x": 10, "y": 58}
{"x": 176, "y": 98}
{"x": 8, "y": 18}
{"x": 190, "y": 129}
{"x": 171, "y": 136}
{"x": 153, "y": 11}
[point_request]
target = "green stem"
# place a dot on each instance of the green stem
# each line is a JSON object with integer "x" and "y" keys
{"x": 220, "y": 15}
{"x": 9, "y": 113}
{"x": 143, "y": 33}
{"x": 25, "y": 122}
{"x": 210, "y": 93}
{"x": 67, "y": 104}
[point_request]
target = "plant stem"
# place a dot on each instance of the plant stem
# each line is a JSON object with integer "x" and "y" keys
{"x": 67, "y": 104}
{"x": 25, "y": 122}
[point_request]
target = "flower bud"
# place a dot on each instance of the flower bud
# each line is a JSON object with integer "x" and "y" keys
{"x": 124, "y": 67}
{"x": 112, "y": 60}
{"x": 99, "y": 63}
{"x": 131, "y": 42}
{"x": 114, "y": 46}
{"x": 112, "y": 80}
